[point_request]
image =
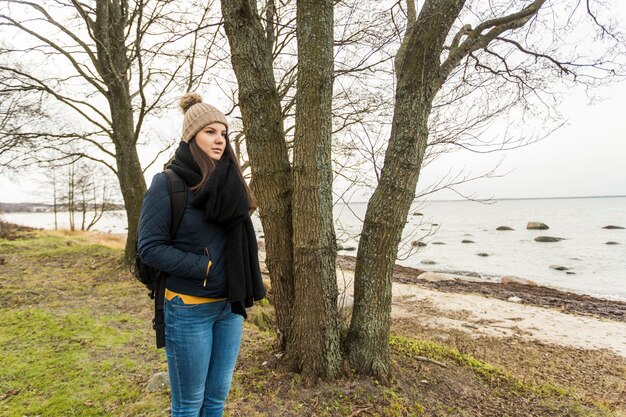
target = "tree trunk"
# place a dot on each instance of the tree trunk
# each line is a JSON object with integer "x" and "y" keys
{"x": 133, "y": 187}
{"x": 113, "y": 66}
{"x": 385, "y": 217}
{"x": 314, "y": 344}
{"x": 419, "y": 79}
{"x": 265, "y": 141}
{"x": 129, "y": 173}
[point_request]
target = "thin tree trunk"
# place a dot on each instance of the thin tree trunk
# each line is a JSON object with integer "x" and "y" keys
{"x": 54, "y": 191}
{"x": 265, "y": 142}
{"x": 419, "y": 78}
{"x": 70, "y": 197}
{"x": 314, "y": 344}
{"x": 83, "y": 209}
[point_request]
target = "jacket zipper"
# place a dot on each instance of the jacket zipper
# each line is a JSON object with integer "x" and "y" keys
{"x": 208, "y": 268}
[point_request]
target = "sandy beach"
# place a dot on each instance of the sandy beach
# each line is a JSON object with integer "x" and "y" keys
{"x": 483, "y": 309}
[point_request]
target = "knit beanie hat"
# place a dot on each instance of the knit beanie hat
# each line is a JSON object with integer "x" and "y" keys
{"x": 198, "y": 115}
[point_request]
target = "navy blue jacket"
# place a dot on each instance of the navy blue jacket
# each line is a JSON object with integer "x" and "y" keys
{"x": 186, "y": 258}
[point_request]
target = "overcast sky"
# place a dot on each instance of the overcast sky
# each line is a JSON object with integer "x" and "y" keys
{"x": 586, "y": 157}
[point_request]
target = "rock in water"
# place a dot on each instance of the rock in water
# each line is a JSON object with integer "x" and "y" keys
{"x": 611, "y": 227}
{"x": 537, "y": 226}
{"x": 428, "y": 262}
{"x": 467, "y": 241}
{"x": 158, "y": 382}
{"x": 559, "y": 267}
{"x": 438, "y": 243}
{"x": 610, "y": 242}
{"x": 548, "y": 239}
{"x": 482, "y": 254}
{"x": 418, "y": 243}
{"x": 504, "y": 228}
{"x": 417, "y": 214}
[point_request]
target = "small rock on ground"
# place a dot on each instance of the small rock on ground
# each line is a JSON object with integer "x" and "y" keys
{"x": 158, "y": 382}
{"x": 515, "y": 280}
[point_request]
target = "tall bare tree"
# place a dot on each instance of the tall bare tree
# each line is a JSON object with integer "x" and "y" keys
{"x": 428, "y": 55}
{"x": 110, "y": 64}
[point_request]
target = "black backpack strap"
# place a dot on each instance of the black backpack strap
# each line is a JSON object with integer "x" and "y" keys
{"x": 178, "y": 198}
{"x": 158, "y": 322}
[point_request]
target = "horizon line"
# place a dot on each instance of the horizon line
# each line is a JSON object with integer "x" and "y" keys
{"x": 438, "y": 200}
{"x": 519, "y": 198}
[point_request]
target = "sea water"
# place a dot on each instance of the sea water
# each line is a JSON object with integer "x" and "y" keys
{"x": 598, "y": 269}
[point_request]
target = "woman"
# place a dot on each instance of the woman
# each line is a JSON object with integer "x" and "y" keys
{"x": 212, "y": 262}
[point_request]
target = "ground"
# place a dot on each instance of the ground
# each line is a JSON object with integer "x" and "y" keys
{"x": 75, "y": 339}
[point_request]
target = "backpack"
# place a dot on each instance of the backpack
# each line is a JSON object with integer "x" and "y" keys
{"x": 152, "y": 278}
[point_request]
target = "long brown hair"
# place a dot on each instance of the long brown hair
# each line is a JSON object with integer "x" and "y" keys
{"x": 207, "y": 166}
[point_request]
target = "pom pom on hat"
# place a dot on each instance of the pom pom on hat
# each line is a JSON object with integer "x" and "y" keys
{"x": 198, "y": 115}
{"x": 189, "y": 100}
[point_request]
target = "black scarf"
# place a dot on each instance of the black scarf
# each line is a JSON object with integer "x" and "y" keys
{"x": 225, "y": 203}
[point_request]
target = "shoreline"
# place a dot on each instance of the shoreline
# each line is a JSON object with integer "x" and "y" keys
{"x": 535, "y": 295}
{"x": 510, "y": 313}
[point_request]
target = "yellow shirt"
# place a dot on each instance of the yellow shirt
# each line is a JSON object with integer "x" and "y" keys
{"x": 190, "y": 299}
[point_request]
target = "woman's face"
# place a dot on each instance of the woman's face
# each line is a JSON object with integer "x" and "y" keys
{"x": 212, "y": 140}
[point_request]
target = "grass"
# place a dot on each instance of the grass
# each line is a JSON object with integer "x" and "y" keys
{"x": 67, "y": 350}
{"x": 76, "y": 340}
{"x": 413, "y": 347}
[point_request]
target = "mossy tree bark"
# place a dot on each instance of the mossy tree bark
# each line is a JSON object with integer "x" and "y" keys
{"x": 265, "y": 140}
{"x": 314, "y": 345}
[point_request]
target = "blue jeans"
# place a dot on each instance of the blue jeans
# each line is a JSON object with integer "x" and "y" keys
{"x": 202, "y": 344}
